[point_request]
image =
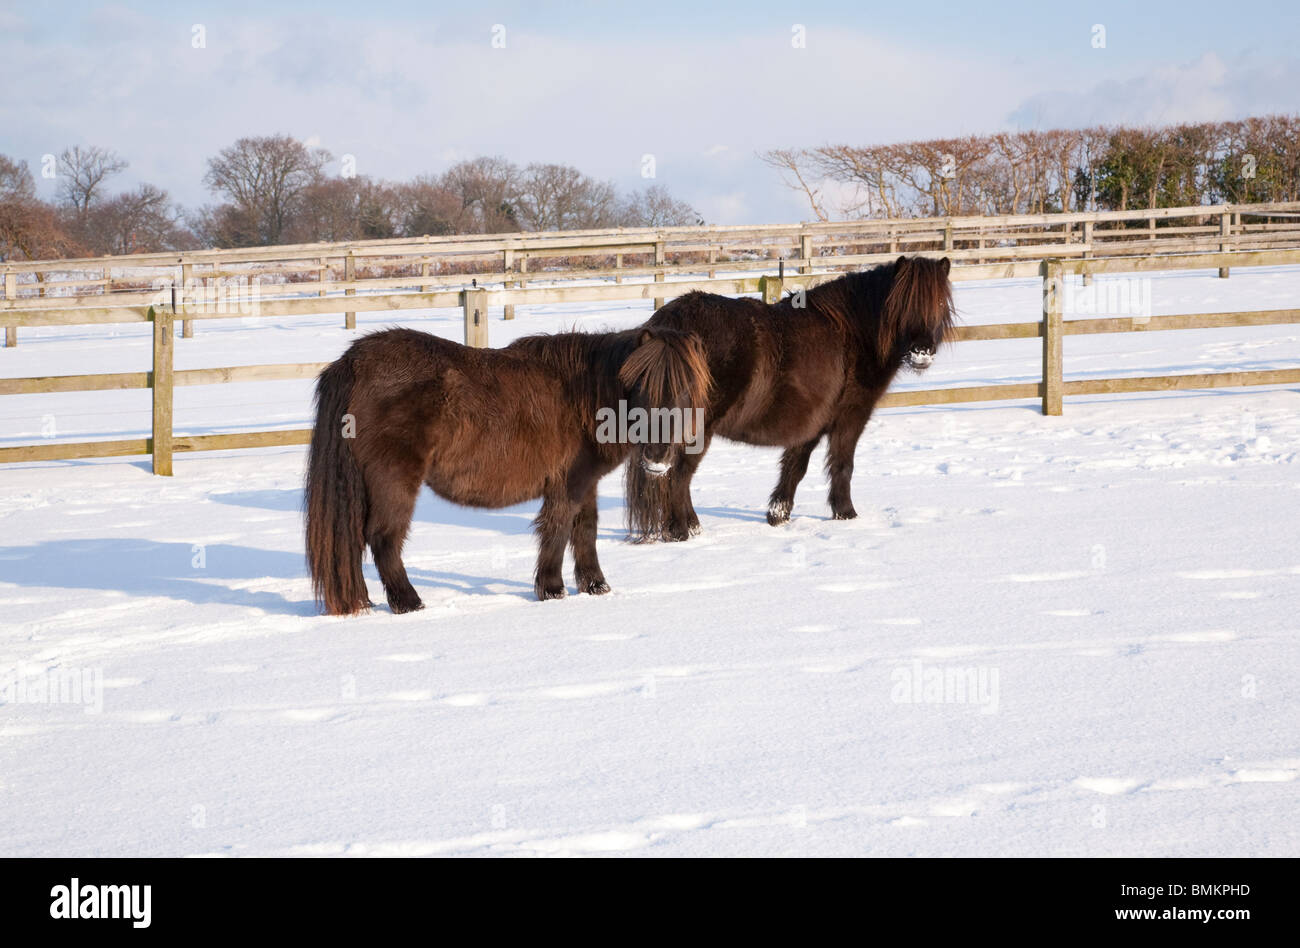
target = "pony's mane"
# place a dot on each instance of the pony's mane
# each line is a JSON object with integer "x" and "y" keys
{"x": 879, "y": 304}
{"x": 601, "y": 367}
{"x": 667, "y": 366}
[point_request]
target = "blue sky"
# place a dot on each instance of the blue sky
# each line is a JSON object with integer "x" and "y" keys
{"x": 408, "y": 87}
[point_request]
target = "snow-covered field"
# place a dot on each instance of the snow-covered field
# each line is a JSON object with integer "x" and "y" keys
{"x": 1120, "y": 586}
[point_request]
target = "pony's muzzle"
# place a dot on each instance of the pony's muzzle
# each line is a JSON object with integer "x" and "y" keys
{"x": 920, "y": 359}
{"x": 655, "y": 468}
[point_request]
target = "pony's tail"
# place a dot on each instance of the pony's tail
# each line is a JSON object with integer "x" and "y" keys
{"x": 335, "y": 499}
{"x": 672, "y": 368}
{"x": 646, "y": 501}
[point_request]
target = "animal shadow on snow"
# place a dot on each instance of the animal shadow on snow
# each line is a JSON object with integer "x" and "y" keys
{"x": 516, "y": 522}
{"x": 141, "y": 567}
{"x": 429, "y": 508}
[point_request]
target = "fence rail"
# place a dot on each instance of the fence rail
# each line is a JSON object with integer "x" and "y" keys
{"x": 39, "y": 293}
{"x": 1051, "y": 328}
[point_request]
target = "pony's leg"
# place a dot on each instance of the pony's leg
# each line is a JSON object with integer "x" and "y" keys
{"x": 794, "y": 465}
{"x": 586, "y": 567}
{"x": 391, "y": 500}
{"x": 840, "y": 446}
{"x": 683, "y": 522}
{"x": 554, "y": 525}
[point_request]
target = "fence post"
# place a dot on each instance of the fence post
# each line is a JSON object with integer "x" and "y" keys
{"x": 659, "y": 277}
{"x": 947, "y": 236}
{"x": 187, "y": 277}
{"x": 508, "y": 263}
{"x": 476, "y": 311}
{"x": 771, "y": 288}
{"x": 805, "y": 253}
{"x": 212, "y": 290}
{"x": 350, "y": 274}
{"x": 1225, "y": 234}
{"x": 1087, "y": 240}
{"x": 160, "y": 383}
{"x": 11, "y": 293}
{"x": 1053, "y": 380}
{"x": 323, "y": 277}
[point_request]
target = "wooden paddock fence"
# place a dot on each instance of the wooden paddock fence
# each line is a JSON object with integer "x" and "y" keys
{"x": 1051, "y": 328}
{"x": 285, "y": 279}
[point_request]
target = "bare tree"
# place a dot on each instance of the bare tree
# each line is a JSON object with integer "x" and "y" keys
{"x": 791, "y": 163}
{"x": 29, "y": 228}
{"x": 16, "y": 181}
{"x": 223, "y": 225}
{"x": 1032, "y": 171}
{"x": 560, "y": 197}
{"x": 869, "y": 174}
{"x": 140, "y": 221}
{"x": 356, "y": 208}
{"x": 655, "y": 207}
{"x": 264, "y": 179}
{"x": 486, "y": 188}
{"x": 426, "y": 206}
{"x": 82, "y": 173}
{"x": 1064, "y": 154}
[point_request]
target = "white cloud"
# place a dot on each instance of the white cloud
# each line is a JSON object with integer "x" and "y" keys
{"x": 1205, "y": 89}
{"x": 407, "y": 99}
{"x": 722, "y": 208}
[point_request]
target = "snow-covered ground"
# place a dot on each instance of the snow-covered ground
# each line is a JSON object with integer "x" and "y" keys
{"x": 1119, "y": 585}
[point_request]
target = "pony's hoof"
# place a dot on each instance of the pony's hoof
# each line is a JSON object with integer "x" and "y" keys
{"x": 551, "y": 592}
{"x": 849, "y": 514}
{"x": 677, "y": 534}
{"x": 778, "y": 512}
{"x": 404, "y": 606}
{"x": 594, "y": 587}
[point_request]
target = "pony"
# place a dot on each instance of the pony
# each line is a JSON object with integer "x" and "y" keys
{"x": 790, "y": 373}
{"x": 482, "y": 428}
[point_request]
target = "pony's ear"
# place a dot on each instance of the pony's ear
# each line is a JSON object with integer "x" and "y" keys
{"x": 947, "y": 266}
{"x": 900, "y": 262}
{"x": 644, "y": 336}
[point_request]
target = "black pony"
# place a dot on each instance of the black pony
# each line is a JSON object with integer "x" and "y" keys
{"x": 484, "y": 428}
{"x": 790, "y": 373}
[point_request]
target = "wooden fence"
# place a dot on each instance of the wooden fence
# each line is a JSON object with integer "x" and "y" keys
{"x": 1051, "y": 328}
{"x": 285, "y": 278}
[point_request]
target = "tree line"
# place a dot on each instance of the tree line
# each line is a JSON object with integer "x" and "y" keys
{"x": 277, "y": 190}
{"x": 1036, "y": 172}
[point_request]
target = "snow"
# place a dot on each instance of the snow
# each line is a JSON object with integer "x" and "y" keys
{"x": 1108, "y": 597}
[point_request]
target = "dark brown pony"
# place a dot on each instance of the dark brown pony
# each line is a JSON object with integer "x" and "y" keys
{"x": 792, "y": 372}
{"x": 483, "y": 428}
